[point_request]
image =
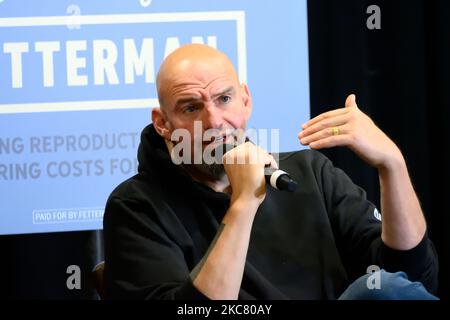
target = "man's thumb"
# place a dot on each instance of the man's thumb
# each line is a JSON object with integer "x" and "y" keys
{"x": 351, "y": 101}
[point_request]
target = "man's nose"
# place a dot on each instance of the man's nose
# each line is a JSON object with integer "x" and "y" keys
{"x": 212, "y": 118}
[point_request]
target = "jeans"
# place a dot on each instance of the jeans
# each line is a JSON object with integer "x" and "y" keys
{"x": 382, "y": 285}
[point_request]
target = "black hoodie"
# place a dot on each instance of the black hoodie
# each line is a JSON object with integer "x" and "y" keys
{"x": 310, "y": 244}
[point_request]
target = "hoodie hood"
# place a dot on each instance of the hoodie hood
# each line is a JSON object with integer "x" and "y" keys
{"x": 152, "y": 152}
{"x": 154, "y": 159}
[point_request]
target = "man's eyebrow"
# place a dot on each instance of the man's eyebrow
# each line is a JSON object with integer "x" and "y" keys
{"x": 187, "y": 100}
{"x": 229, "y": 90}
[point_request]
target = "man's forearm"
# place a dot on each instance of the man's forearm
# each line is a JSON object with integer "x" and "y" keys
{"x": 219, "y": 274}
{"x": 403, "y": 225}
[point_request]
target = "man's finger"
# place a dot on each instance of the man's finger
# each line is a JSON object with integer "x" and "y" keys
{"x": 333, "y": 141}
{"x": 338, "y": 120}
{"x": 273, "y": 163}
{"x": 351, "y": 101}
{"x": 269, "y": 160}
{"x": 323, "y": 116}
{"x": 322, "y": 134}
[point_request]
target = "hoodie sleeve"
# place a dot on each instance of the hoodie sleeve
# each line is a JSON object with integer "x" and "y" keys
{"x": 141, "y": 262}
{"x": 356, "y": 225}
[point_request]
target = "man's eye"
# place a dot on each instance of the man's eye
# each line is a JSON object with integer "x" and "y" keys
{"x": 225, "y": 99}
{"x": 189, "y": 109}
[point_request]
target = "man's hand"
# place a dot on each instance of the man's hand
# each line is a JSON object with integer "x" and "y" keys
{"x": 403, "y": 224}
{"x": 244, "y": 166}
{"x": 351, "y": 128}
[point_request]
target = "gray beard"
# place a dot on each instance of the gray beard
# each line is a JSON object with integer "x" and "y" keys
{"x": 215, "y": 170}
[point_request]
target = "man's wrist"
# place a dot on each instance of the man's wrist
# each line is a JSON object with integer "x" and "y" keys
{"x": 242, "y": 208}
{"x": 246, "y": 201}
{"x": 394, "y": 163}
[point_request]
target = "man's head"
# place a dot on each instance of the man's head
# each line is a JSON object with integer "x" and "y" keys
{"x": 199, "y": 83}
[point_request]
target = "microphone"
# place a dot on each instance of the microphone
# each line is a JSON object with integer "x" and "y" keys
{"x": 278, "y": 179}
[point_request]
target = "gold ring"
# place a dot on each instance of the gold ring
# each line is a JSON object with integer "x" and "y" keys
{"x": 335, "y": 131}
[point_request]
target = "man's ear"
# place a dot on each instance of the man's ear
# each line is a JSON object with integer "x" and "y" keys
{"x": 160, "y": 123}
{"x": 246, "y": 101}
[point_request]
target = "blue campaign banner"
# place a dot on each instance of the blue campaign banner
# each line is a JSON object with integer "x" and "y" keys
{"x": 77, "y": 83}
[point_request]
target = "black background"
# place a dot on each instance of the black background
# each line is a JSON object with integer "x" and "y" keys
{"x": 401, "y": 75}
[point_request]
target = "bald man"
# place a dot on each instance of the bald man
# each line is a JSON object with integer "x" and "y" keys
{"x": 216, "y": 231}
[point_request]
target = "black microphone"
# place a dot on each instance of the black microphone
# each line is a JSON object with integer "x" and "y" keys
{"x": 278, "y": 179}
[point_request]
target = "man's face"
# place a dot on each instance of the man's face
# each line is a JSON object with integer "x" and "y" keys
{"x": 208, "y": 92}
